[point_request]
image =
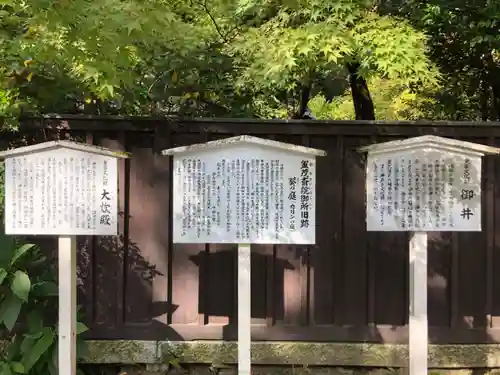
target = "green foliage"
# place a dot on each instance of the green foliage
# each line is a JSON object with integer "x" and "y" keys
{"x": 463, "y": 40}
{"x": 249, "y": 58}
{"x": 58, "y": 55}
{"x": 297, "y": 43}
{"x": 28, "y": 295}
{"x": 392, "y": 100}
{"x": 218, "y": 58}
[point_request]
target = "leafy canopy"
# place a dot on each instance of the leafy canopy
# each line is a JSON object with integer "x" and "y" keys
{"x": 202, "y": 57}
{"x": 55, "y": 53}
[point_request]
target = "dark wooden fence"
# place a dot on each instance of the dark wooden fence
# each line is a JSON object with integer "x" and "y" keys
{"x": 350, "y": 287}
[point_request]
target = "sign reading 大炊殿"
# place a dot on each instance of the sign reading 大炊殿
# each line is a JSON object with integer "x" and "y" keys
{"x": 61, "y": 188}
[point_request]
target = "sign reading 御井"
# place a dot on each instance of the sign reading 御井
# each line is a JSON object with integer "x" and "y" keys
{"x": 419, "y": 185}
{"x": 423, "y": 190}
{"x": 61, "y": 192}
{"x": 244, "y": 190}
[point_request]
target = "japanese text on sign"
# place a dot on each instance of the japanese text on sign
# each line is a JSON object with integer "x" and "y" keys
{"x": 252, "y": 197}
{"x": 423, "y": 190}
{"x": 61, "y": 192}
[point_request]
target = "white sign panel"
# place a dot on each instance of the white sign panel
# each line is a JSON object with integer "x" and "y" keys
{"x": 244, "y": 195}
{"x": 423, "y": 190}
{"x": 61, "y": 192}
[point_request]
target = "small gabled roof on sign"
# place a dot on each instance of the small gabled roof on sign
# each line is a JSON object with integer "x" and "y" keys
{"x": 445, "y": 144}
{"x": 54, "y": 145}
{"x": 245, "y": 140}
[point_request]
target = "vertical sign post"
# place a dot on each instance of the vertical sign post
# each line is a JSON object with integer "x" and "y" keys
{"x": 419, "y": 185}
{"x": 63, "y": 189}
{"x": 244, "y": 190}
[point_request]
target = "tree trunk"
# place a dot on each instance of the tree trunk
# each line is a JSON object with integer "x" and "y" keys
{"x": 484, "y": 98}
{"x": 495, "y": 90}
{"x": 363, "y": 104}
{"x": 493, "y": 72}
{"x": 303, "y": 112}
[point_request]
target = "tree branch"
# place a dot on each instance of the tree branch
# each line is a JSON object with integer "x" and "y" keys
{"x": 204, "y": 5}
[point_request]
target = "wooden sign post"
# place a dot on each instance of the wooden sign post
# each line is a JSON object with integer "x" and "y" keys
{"x": 244, "y": 190}
{"x": 63, "y": 189}
{"x": 421, "y": 185}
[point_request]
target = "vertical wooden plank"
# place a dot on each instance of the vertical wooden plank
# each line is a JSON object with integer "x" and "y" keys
{"x": 147, "y": 260}
{"x": 354, "y": 267}
{"x": 291, "y": 288}
{"x": 472, "y": 296}
{"x": 292, "y": 261}
{"x": 454, "y": 281}
{"x": 389, "y": 263}
{"x": 454, "y": 276}
{"x": 86, "y": 267}
{"x": 374, "y": 241}
{"x": 439, "y": 278}
{"x": 121, "y": 244}
{"x": 278, "y": 270}
{"x": 275, "y": 304}
{"x": 373, "y": 250}
{"x": 220, "y": 289}
{"x": 489, "y": 228}
{"x": 274, "y": 301}
{"x": 86, "y": 249}
{"x": 187, "y": 263}
{"x": 338, "y": 260}
{"x": 204, "y": 279}
{"x": 110, "y": 252}
{"x": 259, "y": 257}
{"x": 472, "y": 267}
{"x": 325, "y": 257}
{"x": 162, "y": 283}
{"x": 204, "y": 271}
{"x": 305, "y": 270}
{"x": 495, "y": 302}
{"x": 218, "y": 280}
